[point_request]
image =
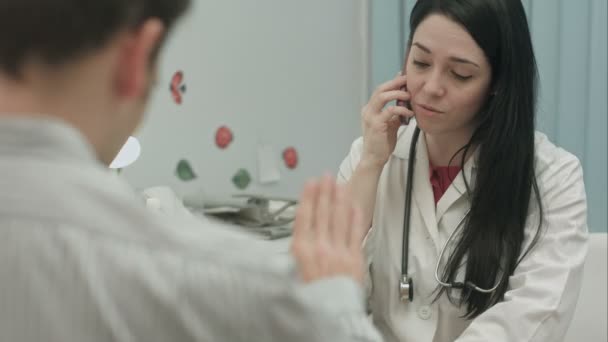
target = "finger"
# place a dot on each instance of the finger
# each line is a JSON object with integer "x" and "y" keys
{"x": 399, "y": 111}
{"x": 306, "y": 261}
{"x": 323, "y": 208}
{"x": 341, "y": 220}
{"x": 391, "y": 113}
{"x": 378, "y": 101}
{"x": 358, "y": 230}
{"x": 302, "y": 227}
{"x": 394, "y": 84}
{"x": 302, "y": 246}
{"x": 402, "y": 102}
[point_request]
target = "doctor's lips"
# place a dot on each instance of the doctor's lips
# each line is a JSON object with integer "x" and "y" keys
{"x": 177, "y": 88}
{"x": 429, "y": 108}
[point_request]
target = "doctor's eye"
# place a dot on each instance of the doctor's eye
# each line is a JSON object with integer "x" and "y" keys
{"x": 420, "y": 65}
{"x": 461, "y": 77}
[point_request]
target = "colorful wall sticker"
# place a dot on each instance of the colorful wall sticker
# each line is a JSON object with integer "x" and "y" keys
{"x": 241, "y": 179}
{"x": 177, "y": 88}
{"x": 184, "y": 171}
{"x": 268, "y": 165}
{"x": 290, "y": 157}
{"x": 223, "y": 137}
{"x": 127, "y": 155}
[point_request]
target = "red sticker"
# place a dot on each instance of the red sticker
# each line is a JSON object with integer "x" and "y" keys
{"x": 177, "y": 88}
{"x": 223, "y": 137}
{"x": 290, "y": 156}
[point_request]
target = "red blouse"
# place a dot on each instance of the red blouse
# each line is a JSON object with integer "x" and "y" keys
{"x": 441, "y": 179}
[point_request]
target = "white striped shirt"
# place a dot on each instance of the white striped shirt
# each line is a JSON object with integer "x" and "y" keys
{"x": 81, "y": 259}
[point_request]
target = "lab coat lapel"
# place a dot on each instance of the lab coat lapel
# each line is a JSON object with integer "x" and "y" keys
{"x": 423, "y": 193}
{"x": 457, "y": 189}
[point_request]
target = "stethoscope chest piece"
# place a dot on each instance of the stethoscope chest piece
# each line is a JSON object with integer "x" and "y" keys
{"x": 406, "y": 289}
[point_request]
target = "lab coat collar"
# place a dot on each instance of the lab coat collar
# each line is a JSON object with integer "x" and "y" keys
{"x": 43, "y": 137}
{"x": 404, "y": 137}
{"x": 458, "y": 190}
{"x": 422, "y": 191}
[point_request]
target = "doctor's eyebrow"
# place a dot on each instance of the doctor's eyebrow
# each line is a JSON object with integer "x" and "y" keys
{"x": 452, "y": 58}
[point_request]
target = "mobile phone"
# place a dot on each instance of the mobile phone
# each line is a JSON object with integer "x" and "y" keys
{"x": 406, "y": 104}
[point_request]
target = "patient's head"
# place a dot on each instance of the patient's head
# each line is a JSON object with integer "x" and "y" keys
{"x": 88, "y": 62}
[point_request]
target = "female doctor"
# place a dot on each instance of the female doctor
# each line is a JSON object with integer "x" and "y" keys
{"x": 490, "y": 243}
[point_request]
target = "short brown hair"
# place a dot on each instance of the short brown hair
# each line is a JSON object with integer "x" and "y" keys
{"x": 57, "y": 31}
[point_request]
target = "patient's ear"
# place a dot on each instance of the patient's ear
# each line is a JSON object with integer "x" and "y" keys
{"x": 136, "y": 59}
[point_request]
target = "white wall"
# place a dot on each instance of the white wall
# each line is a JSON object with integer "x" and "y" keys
{"x": 284, "y": 73}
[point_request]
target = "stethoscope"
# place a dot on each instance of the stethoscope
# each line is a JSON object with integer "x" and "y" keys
{"x": 406, "y": 284}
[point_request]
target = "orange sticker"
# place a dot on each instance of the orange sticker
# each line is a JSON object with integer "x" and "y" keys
{"x": 223, "y": 137}
{"x": 290, "y": 157}
{"x": 177, "y": 88}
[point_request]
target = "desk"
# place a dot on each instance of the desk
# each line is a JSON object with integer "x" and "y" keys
{"x": 164, "y": 201}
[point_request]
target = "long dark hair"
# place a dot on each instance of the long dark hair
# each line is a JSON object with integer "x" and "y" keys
{"x": 491, "y": 241}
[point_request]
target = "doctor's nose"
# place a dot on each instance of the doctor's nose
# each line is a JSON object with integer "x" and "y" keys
{"x": 433, "y": 86}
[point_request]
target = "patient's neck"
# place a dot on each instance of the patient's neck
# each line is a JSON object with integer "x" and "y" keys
{"x": 67, "y": 102}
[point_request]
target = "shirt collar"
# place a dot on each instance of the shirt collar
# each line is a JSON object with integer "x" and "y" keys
{"x": 43, "y": 137}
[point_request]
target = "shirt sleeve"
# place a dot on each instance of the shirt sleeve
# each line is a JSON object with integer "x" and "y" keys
{"x": 167, "y": 294}
{"x": 543, "y": 290}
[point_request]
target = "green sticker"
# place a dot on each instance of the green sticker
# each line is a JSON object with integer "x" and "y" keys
{"x": 184, "y": 171}
{"x": 241, "y": 179}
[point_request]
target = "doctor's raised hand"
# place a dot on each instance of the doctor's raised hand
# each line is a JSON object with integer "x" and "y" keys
{"x": 328, "y": 233}
{"x": 380, "y": 122}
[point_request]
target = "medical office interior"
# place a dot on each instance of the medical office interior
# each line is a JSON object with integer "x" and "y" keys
{"x": 256, "y": 97}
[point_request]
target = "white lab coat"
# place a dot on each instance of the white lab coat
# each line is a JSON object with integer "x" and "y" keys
{"x": 543, "y": 291}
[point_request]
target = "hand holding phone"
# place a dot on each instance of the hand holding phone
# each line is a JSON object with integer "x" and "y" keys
{"x": 380, "y": 121}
